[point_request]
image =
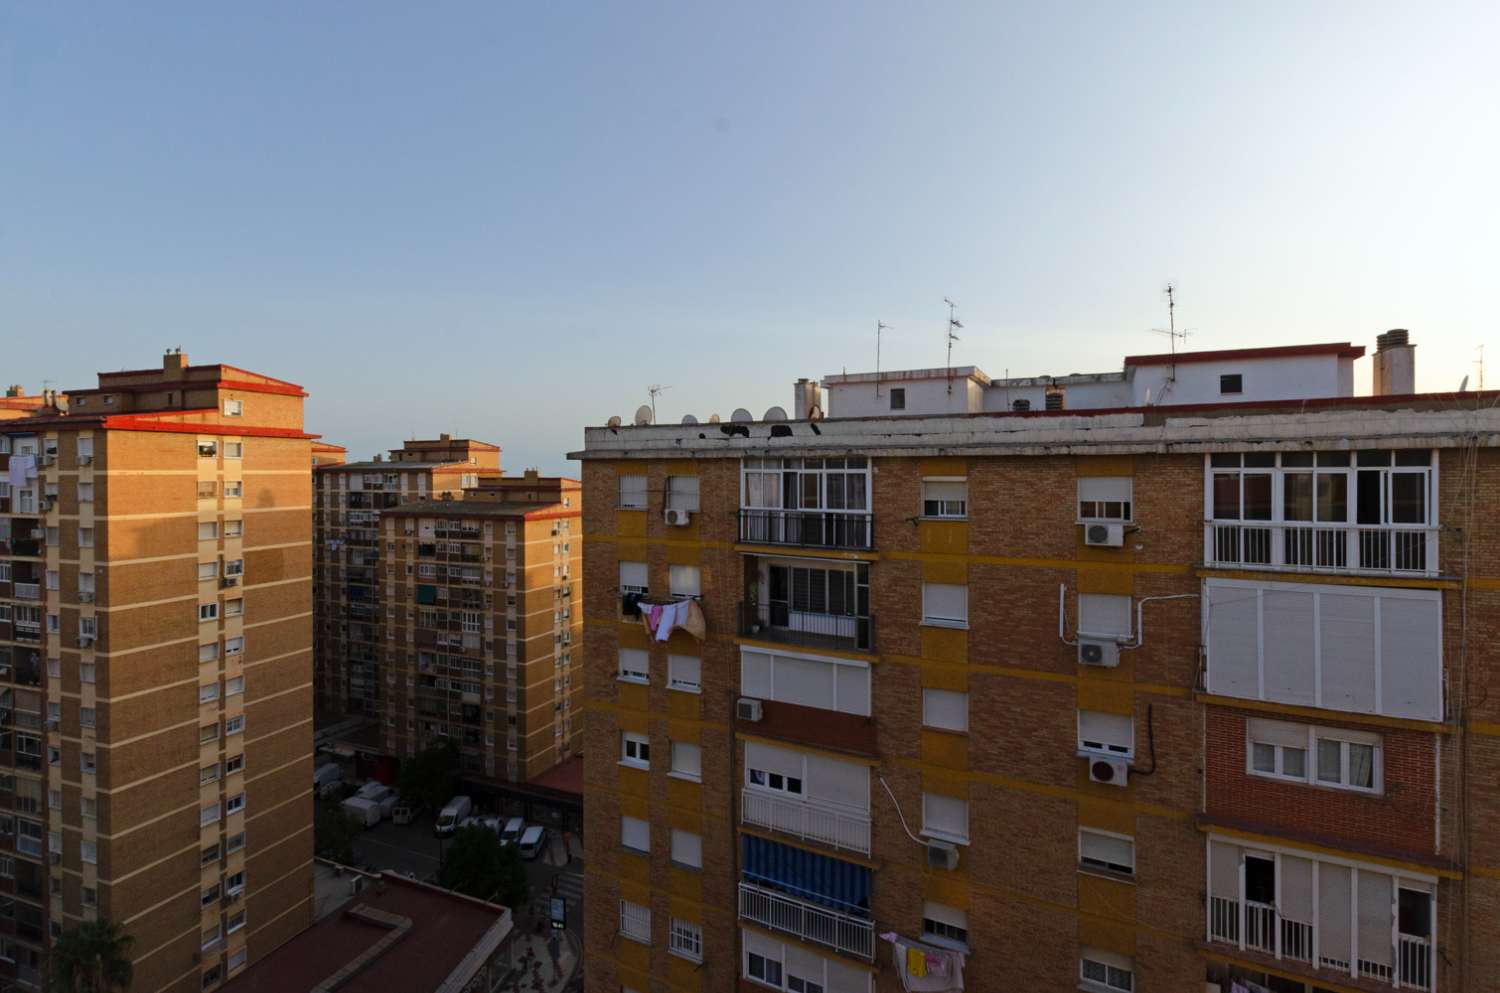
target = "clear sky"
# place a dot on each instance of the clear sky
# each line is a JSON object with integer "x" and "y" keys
{"x": 507, "y": 220}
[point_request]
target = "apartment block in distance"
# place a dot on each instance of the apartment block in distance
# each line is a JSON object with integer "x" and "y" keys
{"x": 482, "y": 614}
{"x": 350, "y": 497}
{"x": 156, "y": 672}
{"x": 1175, "y": 677}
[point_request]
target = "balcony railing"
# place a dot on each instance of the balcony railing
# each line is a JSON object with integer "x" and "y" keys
{"x": 28, "y": 591}
{"x": 778, "y": 622}
{"x": 1267, "y": 931}
{"x": 807, "y": 921}
{"x": 808, "y": 528}
{"x": 848, "y": 831}
{"x": 1347, "y": 549}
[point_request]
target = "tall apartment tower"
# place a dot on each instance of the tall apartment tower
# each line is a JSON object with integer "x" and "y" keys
{"x": 1032, "y": 685}
{"x": 156, "y": 672}
{"x": 483, "y": 612}
{"x": 349, "y": 498}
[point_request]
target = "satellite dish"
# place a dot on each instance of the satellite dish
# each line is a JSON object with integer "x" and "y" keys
{"x": 613, "y": 422}
{"x": 776, "y": 414}
{"x": 713, "y": 418}
{"x": 815, "y": 412}
{"x": 741, "y": 414}
{"x": 689, "y": 419}
{"x": 642, "y": 415}
{"x": 1464, "y": 386}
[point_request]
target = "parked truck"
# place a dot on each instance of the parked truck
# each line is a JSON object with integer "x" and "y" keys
{"x": 362, "y": 810}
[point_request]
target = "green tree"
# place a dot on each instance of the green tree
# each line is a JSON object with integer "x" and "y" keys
{"x": 476, "y": 864}
{"x": 334, "y": 831}
{"x": 430, "y": 777}
{"x": 93, "y": 957}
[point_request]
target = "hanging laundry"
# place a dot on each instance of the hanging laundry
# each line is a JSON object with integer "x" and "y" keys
{"x": 925, "y": 968}
{"x": 916, "y": 962}
{"x": 671, "y": 616}
{"x": 693, "y": 623}
{"x": 631, "y": 604}
{"x": 650, "y": 617}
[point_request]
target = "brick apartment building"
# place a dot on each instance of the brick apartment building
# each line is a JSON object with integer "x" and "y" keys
{"x": 483, "y": 611}
{"x": 1161, "y": 679}
{"x": 155, "y": 672}
{"x": 349, "y": 499}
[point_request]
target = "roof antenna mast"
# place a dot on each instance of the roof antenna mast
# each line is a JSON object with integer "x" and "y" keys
{"x": 953, "y": 326}
{"x": 1171, "y": 331}
{"x": 655, "y": 389}
{"x": 879, "y": 327}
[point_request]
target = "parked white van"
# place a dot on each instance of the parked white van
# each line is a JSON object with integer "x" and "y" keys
{"x": 532, "y": 841}
{"x": 514, "y": 828}
{"x": 449, "y": 817}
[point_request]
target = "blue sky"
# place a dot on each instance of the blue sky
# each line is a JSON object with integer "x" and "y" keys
{"x": 506, "y": 221}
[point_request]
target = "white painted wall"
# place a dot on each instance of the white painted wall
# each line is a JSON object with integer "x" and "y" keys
{"x": 1080, "y": 396}
{"x": 923, "y": 396}
{"x": 1297, "y": 377}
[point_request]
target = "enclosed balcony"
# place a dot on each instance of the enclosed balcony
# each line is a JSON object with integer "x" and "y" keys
{"x": 807, "y": 602}
{"x": 814, "y": 898}
{"x": 809, "y": 503}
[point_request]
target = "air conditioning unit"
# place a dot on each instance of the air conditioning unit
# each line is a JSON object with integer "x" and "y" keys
{"x": 1114, "y": 772}
{"x": 47, "y": 503}
{"x": 46, "y": 460}
{"x": 748, "y": 709}
{"x": 942, "y": 855}
{"x": 85, "y": 596}
{"x": 231, "y": 581}
{"x": 1098, "y": 652}
{"x": 37, "y": 534}
{"x": 85, "y": 460}
{"x": 677, "y": 518}
{"x": 1104, "y": 535}
{"x": 85, "y": 640}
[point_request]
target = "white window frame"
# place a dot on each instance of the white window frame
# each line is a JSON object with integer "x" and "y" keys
{"x": 685, "y": 580}
{"x": 1100, "y": 492}
{"x": 686, "y": 940}
{"x": 931, "y": 802}
{"x": 1108, "y": 962}
{"x": 682, "y": 768}
{"x": 949, "y": 921}
{"x": 208, "y": 612}
{"x": 933, "y": 695}
{"x": 680, "y": 842}
{"x": 634, "y": 826}
{"x": 632, "y": 749}
{"x": 635, "y": 922}
{"x": 629, "y": 492}
{"x": 682, "y": 493}
{"x": 634, "y": 666}
{"x": 945, "y": 508}
{"x": 1098, "y": 745}
{"x": 931, "y": 619}
{"x": 234, "y": 449}
{"x": 234, "y": 408}
{"x": 1095, "y": 861}
{"x": 1310, "y": 772}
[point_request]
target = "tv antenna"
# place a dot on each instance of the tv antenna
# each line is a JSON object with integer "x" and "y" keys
{"x": 656, "y": 390}
{"x": 1480, "y": 363}
{"x": 879, "y": 327}
{"x": 1171, "y": 331}
{"x": 953, "y": 325}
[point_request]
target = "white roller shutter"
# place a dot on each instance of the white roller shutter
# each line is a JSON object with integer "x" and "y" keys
{"x": 1296, "y": 889}
{"x": 1234, "y": 641}
{"x": 635, "y": 833}
{"x": 1334, "y": 939}
{"x": 755, "y": 674}
{"x": 844, "y": 783}
{"x": 1291, "y": 669}
{"x": 634, "y": 574}
{"x": 1104, "y": 489}
{"x": 1348, "y": 634}
{"x": 1101, "y": 614}
{"x": 771, "y": 759}
{"x": 1375, "y": 903}
{"x": 1224, "y": 870}
{"x": 802, "y": 682}
{"x": 853, "y": 689}
{"x": 1410, "y": 639}
{"x": 1099, "y": 731}
{"x": 1278, "y": 733}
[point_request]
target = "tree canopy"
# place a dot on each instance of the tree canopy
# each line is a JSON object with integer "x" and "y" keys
{"x": 430, "y": 777}
{"x": 478, "y": 865}
{"x": 334, "y": 831}
{"x": 93, "y": 957}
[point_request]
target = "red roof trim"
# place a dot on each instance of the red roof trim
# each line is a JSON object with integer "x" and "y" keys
{"x": 220, "y": 366}
{"x": 243, "y": 386}
{"x": 1340, "y": 348}
{"x": 136, "y": 422}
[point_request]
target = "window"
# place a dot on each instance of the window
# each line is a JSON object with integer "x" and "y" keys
{"x": 208, "y": 652}
{"x": 1232, "y": 383}
{"x": 235, "y": 763}
{"x": 234, "y": 646}
{"x": 234, "y": 567}
{"x": 208, "y": 774}
{"x": 945, "y": 926}
{"x": 208, "y": 572}
{"x": 635, "y": 834}
{"x": 234, "y": 686}
{"x": 235, "y": 843}
{"x": 898, "y": 398}
{"x": 945, "y": 496}
{"x": 86, "y": 717}
{"x": 687, "y": 940}
{"x": 1105, "y": 498}
{"x": 208, "y": 530}
{"x": 1103, "y": 850}
{"x": 210, "y": 855}
{"x": 209, "y": 814}
{"x": 234, "y": 449}
{"x": 208, "y": 732}
{"x": 208, "y": 449}
{"x": 684, "y": 580}
{"x": 945, "y": 818}
{"x": 208, "y": 692}
{"x": 207, "y": 489}
{"x": 945, "y": 709}
{"x": 684, "y": 673}
{"x": 633, "y": 492}
{"x": 89, "y": 806}
{"x": 234, "y": 725}
{"x": 687, "y": 848}
{"x": 85, "y": 672}
{"x": 85, "y": 537}
{"x": 233, "y": 488}
{"x": 1105, "y": 972}
{"x": 687, "y": 761}
{"x": 86, "y": 583}
{"x": 85, "y": 492}
{"x": 633, "y": 577}
{"x": 234, "y": 608}
{"x": 234, "y": 529}
{"x": 682, "y": 493}
{"x": 945, "y": 605}
{"x": 88, "y": 851}
{"x": 635, "y": 922}
{"x": 1341, "y": 758}
{"x": 635, "y": 750}
{"x": 214, "y": 973}
{"x": 1107, "y": 734}
{"x": 209, "y": 895}
{"x": 234, "y": 883}
{"x": 211, "y": 938}
{"x": 208, "y": 611}
{"x": 234, "y": 804}
{"x": 635, "y": 665}
{"x": 233, "y": 408}
{"x": 86, "y": 762}
{"x": 235, "y": 922}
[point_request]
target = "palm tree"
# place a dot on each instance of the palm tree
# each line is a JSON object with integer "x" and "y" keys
{"x": 94, "y": 957}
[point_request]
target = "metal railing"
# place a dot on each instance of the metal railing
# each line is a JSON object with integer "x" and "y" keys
{"x": 810, "y": 922}
{"x": 808, "y": 528}
{"x": 1414, "y": 961}
{"x": 28, "y": 591}
{"x": 1349, "y": 549}
{"x": 847, "y": 831}
{"x": 777, "y": 622}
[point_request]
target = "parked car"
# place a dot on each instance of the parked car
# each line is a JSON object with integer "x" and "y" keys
{"x": 452, "y": 815}
{"x": 403, "y": 813}
{"x": 511, "y": 833}
{"x": 366, "y": 812}
{"x": 326, "y": 779}
{"x": 532, "y": 841}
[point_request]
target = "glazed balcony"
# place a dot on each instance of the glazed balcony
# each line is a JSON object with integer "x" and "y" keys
{"x": 808, "y": 528}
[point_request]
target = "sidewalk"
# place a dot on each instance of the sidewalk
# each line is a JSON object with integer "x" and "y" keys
{"x": 534, "y": 972}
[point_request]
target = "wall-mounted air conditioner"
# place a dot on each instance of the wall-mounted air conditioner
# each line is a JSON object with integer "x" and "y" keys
{"x": 1103, "y": 652}
{"x": 677, "y": 518}
{"x": 1104, "y": 535}
{"x": 1113, "y": 772}
{"x": 748, "y": 709}
{"x": 942, "y": 855}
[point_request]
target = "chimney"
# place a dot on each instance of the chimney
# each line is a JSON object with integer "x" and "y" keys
{"x": 174, "y": 363}
{"x": 15, "y": 391}
{"x": 1056, "y": 399}
{"x": 806, "y": 394}
{"x": 1395, "y": 371}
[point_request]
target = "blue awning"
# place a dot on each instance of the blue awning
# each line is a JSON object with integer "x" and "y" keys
{"x": 821, "y": 879}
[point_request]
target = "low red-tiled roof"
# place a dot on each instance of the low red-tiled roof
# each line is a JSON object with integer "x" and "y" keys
{"x": 444, "y": 928}
{"x": 1342, "y": 349}
{"x": 565, "y": 777}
